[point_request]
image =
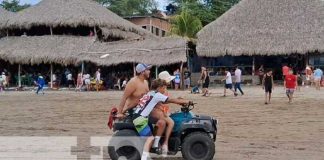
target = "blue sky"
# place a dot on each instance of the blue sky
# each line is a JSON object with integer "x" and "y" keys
{"x": 162, "y": 3}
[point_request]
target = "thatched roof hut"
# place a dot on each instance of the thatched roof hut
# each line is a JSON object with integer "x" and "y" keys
{"x": 4, "y": 16}
{"x": 72, "y": 13}
{"x": 265, "y": 27}
{"x": 72, "y": 50}
{"x": 136, "y": 45}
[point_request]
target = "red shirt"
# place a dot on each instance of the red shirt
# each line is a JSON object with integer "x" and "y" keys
{"x": 285, "y": 70}
{"x": 291, "y": 81}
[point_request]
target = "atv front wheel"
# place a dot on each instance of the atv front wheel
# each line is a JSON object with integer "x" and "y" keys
{"x": 125, "y": 144}
{"x": 198, "y": 146}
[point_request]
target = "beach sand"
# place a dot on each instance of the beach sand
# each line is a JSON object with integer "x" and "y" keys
{"x": 248, "y": 129}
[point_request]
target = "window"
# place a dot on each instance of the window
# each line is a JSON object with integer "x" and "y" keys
{"x": 157, "y": 31}
{"x": 144, "y": 27}
{"x": 163, "y": 33}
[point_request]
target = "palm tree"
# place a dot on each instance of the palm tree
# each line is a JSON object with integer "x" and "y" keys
{"x": 185, "y": 25}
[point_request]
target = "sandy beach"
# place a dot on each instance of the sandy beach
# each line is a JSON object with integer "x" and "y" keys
{"x": 248, "y": 129}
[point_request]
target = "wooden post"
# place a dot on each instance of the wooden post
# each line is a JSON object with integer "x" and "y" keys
{"x": 307, "y": 59}
{"x": 7, "y": 33}
{"x": 181, "y": 73}
{"x": 95, "y": 31}
{"x": 156, "y": 72}
{"x": 19, "y": 77}
{"x": 253, "y": 66}
{"x": 51, "y": 30}
{"x": 51, "y": 76}
{"x": 82, "y": 68}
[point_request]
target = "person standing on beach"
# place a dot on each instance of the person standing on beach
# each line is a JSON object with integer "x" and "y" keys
{"x": 267, "y": 85}
{"x": 228, "y": 83}
{"x": 238, "y": 80}
{"x": 285, "y": 72}
{"x": 98, "y": 75}
{"x": 70, "y": 80}
{"x": 187, "y": 75}
{"x": 87, "y": 82}
{"x": 290, "y": 84}
{"x": 204, "y": 79}
{"x": 318, "y": 74}
{"x": 308, "y": 72}
{"x": 177, "y": 79}
{"x": 79, "y": 82}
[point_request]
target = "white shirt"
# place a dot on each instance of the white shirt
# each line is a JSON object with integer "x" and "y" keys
{"x": 238, "y": 74}
{"x": 54, "y": 77}
{"x": 4, "y": 78}
{"x": 229, "y": 78}
{"x": 148, "y": 102}
{"x": 69, "y": 77}
{"x": 87, "y": 76}
{"x": 97, "y": 76}
{"x": 124, "y": 83}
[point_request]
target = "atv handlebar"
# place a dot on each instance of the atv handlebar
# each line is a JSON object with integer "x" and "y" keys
{"x": 188, "y": 107}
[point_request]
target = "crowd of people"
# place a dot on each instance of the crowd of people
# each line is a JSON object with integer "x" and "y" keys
{"x": 66, "y": 78}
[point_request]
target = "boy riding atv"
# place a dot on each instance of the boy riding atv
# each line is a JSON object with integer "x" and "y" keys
{"x": 147, "y": 103}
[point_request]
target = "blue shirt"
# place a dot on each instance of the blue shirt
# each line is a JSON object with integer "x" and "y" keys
{"x": 318, "y": 73}
{"x": 41, "y": 81}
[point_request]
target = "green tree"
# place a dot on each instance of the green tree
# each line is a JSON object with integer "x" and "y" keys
{"x": 185, "y": 25}
{"x": 130, "y": 7}
{"x": 206, "y": 10}
{"x": 13, "y": 5}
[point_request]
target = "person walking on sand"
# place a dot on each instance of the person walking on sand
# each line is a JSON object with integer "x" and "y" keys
{"x": 79, "y": 82}
{"x": 318, "y": 74}
{"x": 228, "y": 83}
{"x": 267, "y": 85}
{"x": 87, "y": 82}
{"x": 285, "y": 72}
{"x": 98, "y": 74}
{"x": 204, "y": 79}
{"x": 238, "y": 80}
{"x": 40, "y": 84}
{"x": 290, "y": 84}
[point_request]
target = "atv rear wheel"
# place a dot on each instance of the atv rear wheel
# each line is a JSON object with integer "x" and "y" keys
{"x": 198, "y": 146}
{"x": 125, "y": 144}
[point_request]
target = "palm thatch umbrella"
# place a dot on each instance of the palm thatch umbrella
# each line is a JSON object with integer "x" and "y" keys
{"x": 72, "y": 13}
{"x": 4, "y": 17}
{"x": 74, "y": 50}
{"x": 265, "y": 27}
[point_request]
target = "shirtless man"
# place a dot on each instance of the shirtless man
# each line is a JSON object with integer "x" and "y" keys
{"x": 134, "y": 90}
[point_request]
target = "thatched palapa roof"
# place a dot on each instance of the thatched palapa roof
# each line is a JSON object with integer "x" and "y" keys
{"x": 137, "y": 45}
{"x": 71, "y": 13}
{"x": 265, "y": 27}
{"x": 4, "y": 16}
{"x": 72, "y": 50}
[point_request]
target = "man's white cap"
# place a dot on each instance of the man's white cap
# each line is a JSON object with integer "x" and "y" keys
{"x": 166, "y": 76}
{"x": 3, "y": 73}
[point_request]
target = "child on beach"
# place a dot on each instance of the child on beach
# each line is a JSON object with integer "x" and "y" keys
{"x": 40, "y": 84}
{"x": 291, "y": 84}
{"x": 267, "y": 85}
{"x": 145, "y": 106}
